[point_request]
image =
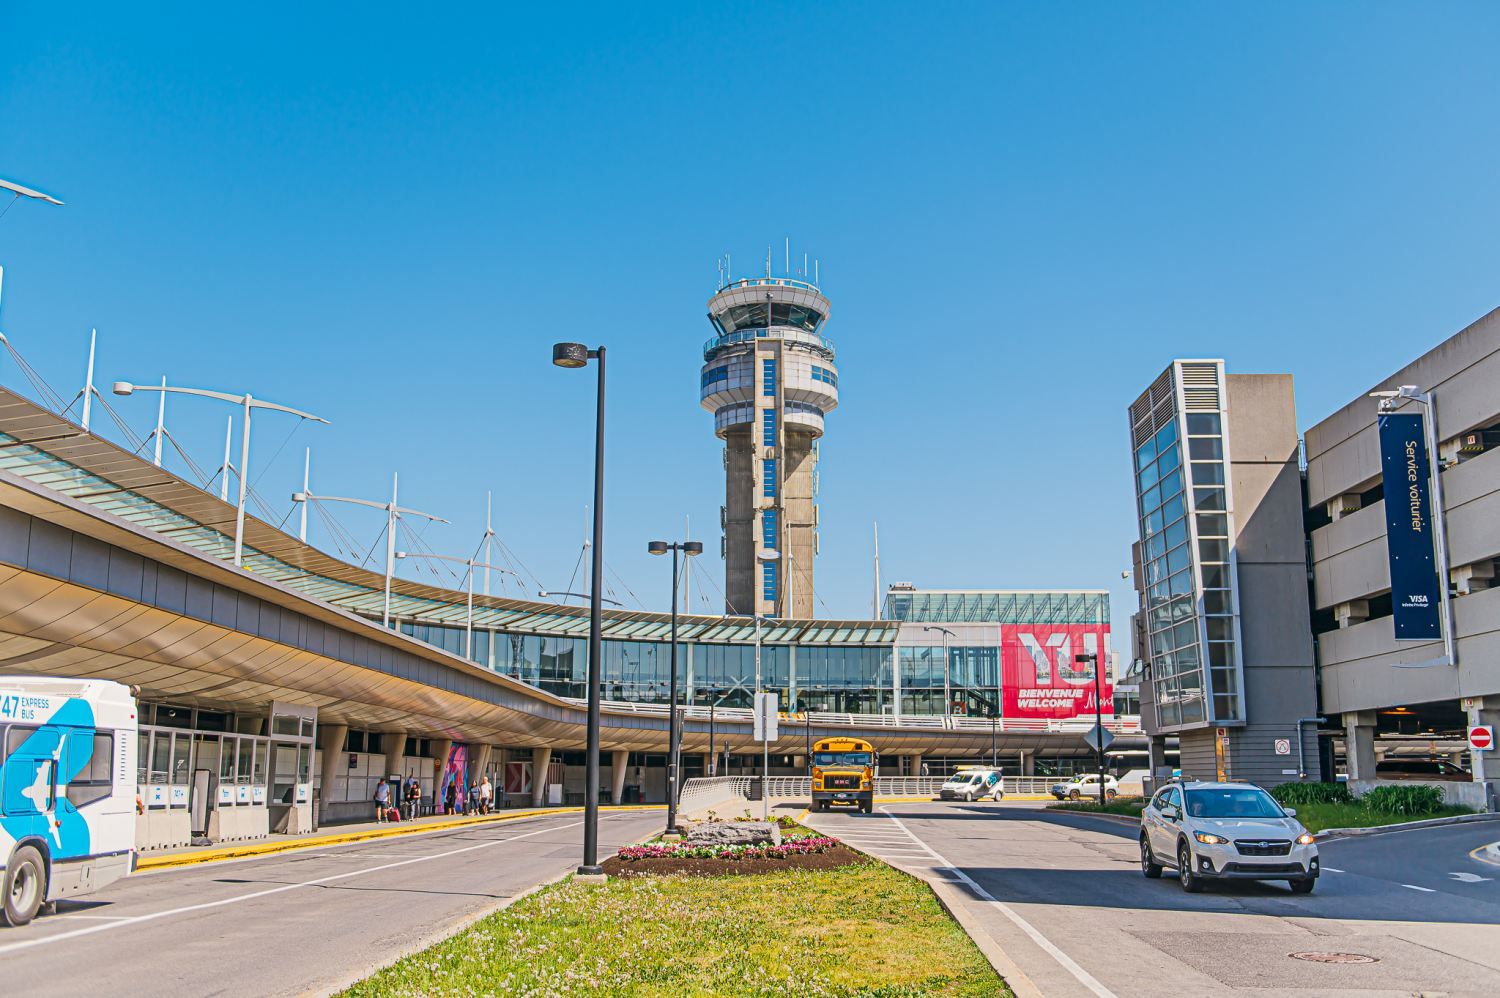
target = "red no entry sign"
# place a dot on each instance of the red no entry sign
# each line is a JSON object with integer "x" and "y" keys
{"x": 1481, "y": 737}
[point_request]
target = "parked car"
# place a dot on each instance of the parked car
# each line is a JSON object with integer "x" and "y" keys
{"x": 1085, "y": 787}
{"x": 972, "y": 785}
{"x": 1209, "y": 831}
{"x": 1401, "y": 768}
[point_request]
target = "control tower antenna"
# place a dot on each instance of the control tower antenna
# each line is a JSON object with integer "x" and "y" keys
{"x": 770, "y": 378}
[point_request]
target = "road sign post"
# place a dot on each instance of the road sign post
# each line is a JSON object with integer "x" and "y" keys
{"x": 765, "y": 732}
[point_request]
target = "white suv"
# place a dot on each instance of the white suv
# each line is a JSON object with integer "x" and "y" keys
{"x": 1210, "y": 831}
{"x": 1085, "y": 787}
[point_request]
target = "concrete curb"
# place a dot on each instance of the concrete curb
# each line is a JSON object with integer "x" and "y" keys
{"x": 1405, "y": 826}
{"x": 1125, "y": 818}
{"x": 251, "y": 850}
{"x": 458, "y": 925}
{"x": 950, "y": 899}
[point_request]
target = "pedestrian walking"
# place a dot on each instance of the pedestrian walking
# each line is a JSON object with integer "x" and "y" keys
{"x": 382, "y": 800}
{"x": 485, "y": 793}
{"x": 450, "y": 798}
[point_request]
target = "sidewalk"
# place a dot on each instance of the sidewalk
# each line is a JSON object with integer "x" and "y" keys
{"x": 356, "y": 832}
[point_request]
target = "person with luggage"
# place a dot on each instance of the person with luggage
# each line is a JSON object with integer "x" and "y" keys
{"x": 382, "y": 800}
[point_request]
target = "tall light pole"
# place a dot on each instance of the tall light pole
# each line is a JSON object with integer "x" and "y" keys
{"x": 1098, "y": 717}
{"x": 576, "y": 355}
{"x": 392, "y": 514}
{"x": 249, "y": 404}
{"x": 689, "y": 549}
{"x": 947, "y": 684}
{"x": 472, "y": 564}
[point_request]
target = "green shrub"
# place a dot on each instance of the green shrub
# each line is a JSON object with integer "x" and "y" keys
{"x": 1414, "y": 799}
{"x": 1297, "y": 794}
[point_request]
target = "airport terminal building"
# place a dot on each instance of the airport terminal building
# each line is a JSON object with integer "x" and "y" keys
{"x": 1268, "y": 631}
{"x": 273, "y": 698}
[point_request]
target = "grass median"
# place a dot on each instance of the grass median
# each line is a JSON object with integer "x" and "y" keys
{"x": 859, "y": 929}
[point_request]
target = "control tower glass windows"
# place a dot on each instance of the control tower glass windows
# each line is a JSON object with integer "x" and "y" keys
{"x": 747, "y": 316}
{"x": 768, "y": 529}
{"x": 768, "y": 427}
{"x": 768, "y": 581}
{"x": 824, "y": 375}
{"x": 795, "y": 315}
{"x": 768, "y": 478}
{"x": 714, "y": 375}
{"x": 759, "y": 316}
{"x": 768, "y": 377}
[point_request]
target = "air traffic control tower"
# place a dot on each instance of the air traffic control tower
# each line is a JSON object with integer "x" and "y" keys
{"x": 769, "y": 378}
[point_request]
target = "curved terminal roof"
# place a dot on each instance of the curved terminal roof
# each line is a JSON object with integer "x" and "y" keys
{"x": 45, "y": 448}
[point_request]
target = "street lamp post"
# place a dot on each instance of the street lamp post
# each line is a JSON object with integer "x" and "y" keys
{"x": 249, "y": 404}
{"x": 947, "y": 684}
{"x": 472, "y": 564}
{"x": 392, "y": 514}
{"x": 576, "y": 355}
{"x": 1098, "y": 718}
{"x": 674, "y": 729}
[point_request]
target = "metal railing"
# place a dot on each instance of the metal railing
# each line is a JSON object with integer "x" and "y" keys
{"x": 700, "y": 793}
{"x": 695, "y": 712}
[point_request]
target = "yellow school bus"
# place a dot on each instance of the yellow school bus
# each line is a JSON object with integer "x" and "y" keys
{"x": 843, "y": 774}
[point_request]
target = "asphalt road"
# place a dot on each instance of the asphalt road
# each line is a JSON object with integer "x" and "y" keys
{"x": 295, "y": 923}
{"x": 1064, "y": 899}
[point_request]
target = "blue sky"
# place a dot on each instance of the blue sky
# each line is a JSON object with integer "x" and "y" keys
{"x": 1022, "y": 213}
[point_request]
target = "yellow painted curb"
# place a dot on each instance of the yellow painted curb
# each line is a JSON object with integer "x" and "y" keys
{"x": 269, "y": 848}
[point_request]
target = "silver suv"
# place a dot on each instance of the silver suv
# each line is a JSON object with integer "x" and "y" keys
{"x": 1211, "y": 831}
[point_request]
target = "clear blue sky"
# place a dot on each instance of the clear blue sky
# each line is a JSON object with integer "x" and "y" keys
{"x": 1023, "y": 212}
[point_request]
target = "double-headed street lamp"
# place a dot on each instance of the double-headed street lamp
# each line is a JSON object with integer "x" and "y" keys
{"x": 469, "y": 617}
{"x": 1098, "y": 717}
{"x": 549, "y": 593}
{"x": 576, "y": 355}
{"x": 392, "y": 514}
{"x": 249, "y": 404}
{"x": 947, "y": 682}
{"x": 689, "y": 549}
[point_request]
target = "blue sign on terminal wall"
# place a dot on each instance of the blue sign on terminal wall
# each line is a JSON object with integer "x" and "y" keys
{"x": 1408, "y": 528}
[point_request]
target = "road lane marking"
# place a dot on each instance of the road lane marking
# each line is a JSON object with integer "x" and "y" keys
{"x": 1329, "y": 869}
{"x": 1487, "y": 854}
{"x": 1469, "y": 878}
{"x": 222, "y": 902}
{"x": 1424, "y": 890}
{"x": 1068, "y": 963}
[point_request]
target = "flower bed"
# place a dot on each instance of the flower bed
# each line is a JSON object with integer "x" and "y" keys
{"x": 802, "y": 845}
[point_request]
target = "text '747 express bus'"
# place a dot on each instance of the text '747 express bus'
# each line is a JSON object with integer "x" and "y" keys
{"x": 67, "y": 789}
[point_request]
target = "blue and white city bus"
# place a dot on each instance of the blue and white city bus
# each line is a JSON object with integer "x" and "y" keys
{"x": 67, "y": 789}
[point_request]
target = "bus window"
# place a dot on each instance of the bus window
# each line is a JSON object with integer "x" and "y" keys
{"x": 95, "y": 780}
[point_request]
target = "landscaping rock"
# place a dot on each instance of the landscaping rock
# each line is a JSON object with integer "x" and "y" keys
{"x": 734, "y": 833}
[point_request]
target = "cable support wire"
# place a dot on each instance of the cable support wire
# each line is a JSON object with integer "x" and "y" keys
{"x": 48, "y": 396}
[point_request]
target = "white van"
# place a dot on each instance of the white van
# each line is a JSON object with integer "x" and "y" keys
{"x": 973, "y": 784}
{"x": 67, "y": 789}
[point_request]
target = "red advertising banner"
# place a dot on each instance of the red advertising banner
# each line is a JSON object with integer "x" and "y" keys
{"x": 1039, "y": 677}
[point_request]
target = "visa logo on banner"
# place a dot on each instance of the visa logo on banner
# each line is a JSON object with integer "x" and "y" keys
{"x": 1406, "y": 473}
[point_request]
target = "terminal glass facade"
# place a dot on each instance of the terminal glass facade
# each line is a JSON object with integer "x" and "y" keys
{"x": 996, "y": 607}
{"x": 1185, "y": 515}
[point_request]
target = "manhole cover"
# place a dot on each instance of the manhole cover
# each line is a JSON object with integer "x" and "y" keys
{"x": 1334, "y": 957}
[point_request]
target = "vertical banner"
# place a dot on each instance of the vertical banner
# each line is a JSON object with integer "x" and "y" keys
{"x": 1404, "y": 464}
{"x": 1040, "y": 678}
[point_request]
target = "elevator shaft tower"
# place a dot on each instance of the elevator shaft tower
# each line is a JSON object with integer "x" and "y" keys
{"x": 769, "y": 377}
